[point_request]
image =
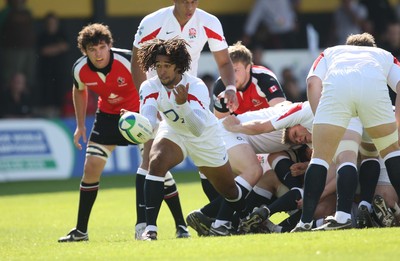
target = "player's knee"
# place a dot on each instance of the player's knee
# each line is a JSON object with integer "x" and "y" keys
{"x": 347, "y": 150}
{"x": 99, "y": 151}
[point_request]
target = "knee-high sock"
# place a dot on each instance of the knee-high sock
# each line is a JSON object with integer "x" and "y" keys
{"x": 153, "y": 195}
{"x": 289, "y": 223}
{"x": 392, "y": 163}
{"x": 239, "y": 204}
{"x": 140, "y": 203}
{"x": 171, "y": 197}
{"x": 368, "y": 178}
{"x": 346, "y": 186}
{"x": 257, "y": 197}
{"x": 209, "y": 189}
{"x": 314, "y": 185}
{"x": 88, "y": 194}
{"x": 282, "y": 170}
{"x": 212, "y": 208}
{"x": 287, "y": 202}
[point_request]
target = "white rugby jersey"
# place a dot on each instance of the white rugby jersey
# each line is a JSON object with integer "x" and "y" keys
{"x": 365, "y": 59}
{"x": 297, "y": 113}
{"x": 265, "y": 142}
{"x": 153, "y": 93}
{"x": 201, "y": 28}
{"x": 281, "y": 117}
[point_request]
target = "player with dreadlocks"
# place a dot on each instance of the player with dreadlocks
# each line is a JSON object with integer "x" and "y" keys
{"x": 188, "y": 127}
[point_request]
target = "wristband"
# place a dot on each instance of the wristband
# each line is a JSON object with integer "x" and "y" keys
{"x": 230, "y": 88}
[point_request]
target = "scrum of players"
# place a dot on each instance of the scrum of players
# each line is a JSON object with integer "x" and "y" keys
{"x": 269, "y": 140}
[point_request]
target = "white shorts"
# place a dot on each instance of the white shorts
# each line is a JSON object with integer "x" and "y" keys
{"x": 354, "y": 94}
{"x": 208, "y": 150}
{"x": 232, "y": 139}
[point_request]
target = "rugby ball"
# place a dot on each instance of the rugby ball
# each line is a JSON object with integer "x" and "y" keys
{"x": 135, "y": 127}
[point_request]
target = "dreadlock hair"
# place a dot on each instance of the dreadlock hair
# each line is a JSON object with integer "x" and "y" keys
{"x": 93, "y": 34}
{"x": 174, "y": 48}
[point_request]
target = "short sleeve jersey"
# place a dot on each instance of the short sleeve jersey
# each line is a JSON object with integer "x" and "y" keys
{"x": 115, "y": 89}
{"x": 339, "y": 59}
{"x": 201, "y": 28}
{"x": 297, "y": 113}
{"x": 153, "y": 93}
{"x": 262, "y": 87}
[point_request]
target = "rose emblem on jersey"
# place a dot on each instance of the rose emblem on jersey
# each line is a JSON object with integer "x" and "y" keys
{"x": 192, "y": 33}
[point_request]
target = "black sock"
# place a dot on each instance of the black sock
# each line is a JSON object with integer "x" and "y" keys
{"x": 368, "y": 177}
{"x": 153, "y": 195}
{"x": 225, "y": 211}
{"x": 314, "y": 184}
{"x": 285, "y": 203}
{"x": 209, "y": 189}
{"x": 282, "y": 170}
{"x": 239, "y": 205}
{"x": 140, "y": 203}
{"x": 255, "y": 200}
{"x": 289, "y": 223}
{"x": 393, "y": 168}
{"x": 171, "y": 197}
{"x": 346, "y": 186}
{"x": 212, "y": 208}
{"x": 88, "y": 194}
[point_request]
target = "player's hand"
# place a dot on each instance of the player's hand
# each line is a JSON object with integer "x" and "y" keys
{"x": 230, "y": 122}
{"x": 231, "y": 100}
{"x": 298, "y": 169}
{"x": 79, "y": 132}
{"x": 122, "y": 111}
{"x": 181, "y": 93}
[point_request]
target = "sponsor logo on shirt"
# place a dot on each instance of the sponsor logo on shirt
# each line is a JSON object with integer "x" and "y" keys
{"x": 192, "y": 33}
{"x": 256, "y": 102}
{"x": 121, "y": 81}
{"x": 114, "y": 98}
{"x": 273, "y": 89}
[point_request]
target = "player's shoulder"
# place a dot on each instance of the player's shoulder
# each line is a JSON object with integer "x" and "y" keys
{"x": 206, "y": 17}
{"x": 262, "y": 71}
{"x": 79, "y": 63}
{"x": 119, "y": 52}
{"x": 157, "y": 15}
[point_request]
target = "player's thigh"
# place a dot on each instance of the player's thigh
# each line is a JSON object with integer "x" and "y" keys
{"x": 222, "y": 178}
{"x": 164, "y": 155}
{"x": 244, "y": 162}
{"x": 325, "y": 140}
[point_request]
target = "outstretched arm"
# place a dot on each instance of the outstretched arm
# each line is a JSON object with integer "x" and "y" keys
{"x": 232, "y": 124}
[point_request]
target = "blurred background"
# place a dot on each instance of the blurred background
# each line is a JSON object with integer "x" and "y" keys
{"x": 38, "y": 49}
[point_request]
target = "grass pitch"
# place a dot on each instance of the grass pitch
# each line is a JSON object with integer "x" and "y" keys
{"x": 35, "y": 214}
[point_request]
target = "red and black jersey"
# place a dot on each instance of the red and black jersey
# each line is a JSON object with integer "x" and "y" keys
{"x": 262, "y": 87}
{"x": 113, "y": 84}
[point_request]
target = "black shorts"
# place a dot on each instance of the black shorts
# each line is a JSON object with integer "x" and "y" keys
{"x": 105, "y": 130}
